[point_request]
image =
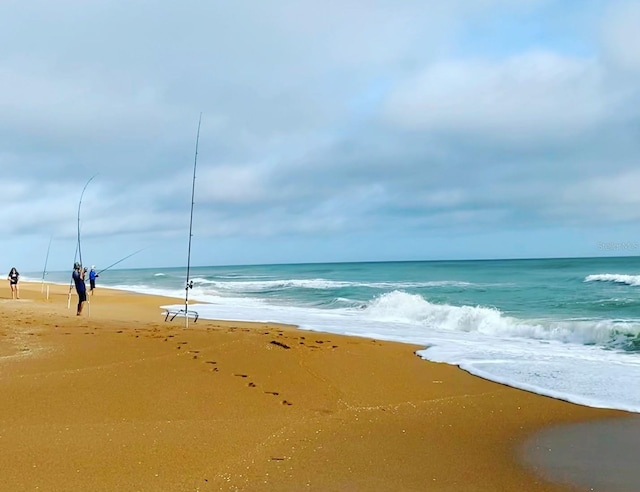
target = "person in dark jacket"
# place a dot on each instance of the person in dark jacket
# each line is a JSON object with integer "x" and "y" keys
{"x": 81, "y": 289}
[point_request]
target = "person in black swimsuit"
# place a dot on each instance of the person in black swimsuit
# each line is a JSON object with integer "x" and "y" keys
{"x": 13, "y": 283}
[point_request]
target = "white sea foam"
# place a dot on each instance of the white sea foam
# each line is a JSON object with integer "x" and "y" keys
{"x": 247, "y": 285}
{"x": 618, "y": 278}
{"x": 564, "y": 359}
{"x": 414, "y": 309}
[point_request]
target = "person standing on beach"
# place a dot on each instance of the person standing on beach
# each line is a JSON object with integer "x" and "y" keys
{"x": 92, "y": 278}
{"x": 81, "y": 288}
{"x": 13, "y": 283}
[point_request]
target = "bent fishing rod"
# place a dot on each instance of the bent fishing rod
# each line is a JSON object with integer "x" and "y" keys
{"x": 78, "y": 254}
{"x": 79, "y": 205}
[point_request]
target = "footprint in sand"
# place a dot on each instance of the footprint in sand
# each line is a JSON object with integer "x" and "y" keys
{"x": 280, "y": 344}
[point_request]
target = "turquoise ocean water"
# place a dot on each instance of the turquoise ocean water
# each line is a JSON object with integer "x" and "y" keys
{"x": 566, "y": 328}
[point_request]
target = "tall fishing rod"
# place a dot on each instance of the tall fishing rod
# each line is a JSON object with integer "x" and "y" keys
{"x": 119, "y": 261}
{"x": 46, "y": 260}
{"x": 189, "y": 284}
{"x": 78, "y": 254}
{"x": 79, "y": 205}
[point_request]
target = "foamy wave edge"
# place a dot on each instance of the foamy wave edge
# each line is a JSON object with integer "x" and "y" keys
{"x": 619, "y": 278}
{"x": 398, "y": 306}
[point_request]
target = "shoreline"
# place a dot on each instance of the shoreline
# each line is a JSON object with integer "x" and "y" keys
{"x": 120, "y": 399}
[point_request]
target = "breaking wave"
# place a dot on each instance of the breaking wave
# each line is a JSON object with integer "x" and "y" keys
{"x": 617, "y": 278}
{"x": 398, "y": 306}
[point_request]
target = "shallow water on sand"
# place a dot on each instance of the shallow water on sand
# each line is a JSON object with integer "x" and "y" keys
{"x": 595, "y": 456}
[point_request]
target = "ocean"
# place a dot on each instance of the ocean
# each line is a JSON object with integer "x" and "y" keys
{"x": 564, "y": 328}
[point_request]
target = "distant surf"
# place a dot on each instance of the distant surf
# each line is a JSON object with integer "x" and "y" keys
{"x": 616, "y": 278}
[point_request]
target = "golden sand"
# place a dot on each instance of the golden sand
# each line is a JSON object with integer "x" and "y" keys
{"x": 119, "y": 399}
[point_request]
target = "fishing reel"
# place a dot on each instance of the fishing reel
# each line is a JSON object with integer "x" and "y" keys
{"x": 189, "y": 285}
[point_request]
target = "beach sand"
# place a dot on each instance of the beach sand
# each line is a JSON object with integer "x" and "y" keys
{"x": 119, "y": 399}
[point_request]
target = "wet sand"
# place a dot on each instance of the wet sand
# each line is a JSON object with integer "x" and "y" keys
{"x": 119, "y": 399}
{"x": 597, "y": 456}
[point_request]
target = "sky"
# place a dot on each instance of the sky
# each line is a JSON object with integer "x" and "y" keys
{"x": 331, "y": 131}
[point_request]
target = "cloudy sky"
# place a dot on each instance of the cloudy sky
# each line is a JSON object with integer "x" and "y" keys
{"x": 350, "y": 130}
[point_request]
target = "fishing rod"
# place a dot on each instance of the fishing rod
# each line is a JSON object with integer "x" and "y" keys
{"x": 119, "y": 261}
{"x": 75, "y": 257}
{"x": 79, "y": 205}
{"x": 46, "y": 260}
{"x": 78, "y": 254}
{"x": 189, "y": 284}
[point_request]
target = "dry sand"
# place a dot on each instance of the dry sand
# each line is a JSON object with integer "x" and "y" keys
{"x": 119, "y": 399}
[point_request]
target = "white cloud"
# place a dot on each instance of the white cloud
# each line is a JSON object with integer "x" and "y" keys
{"x": 292, "y": 143}
{"x": 611, "y": 198}
{"x": 233, "y": 185}
{"x": 532, "y": 97}
{"x": 621, "y": 34}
